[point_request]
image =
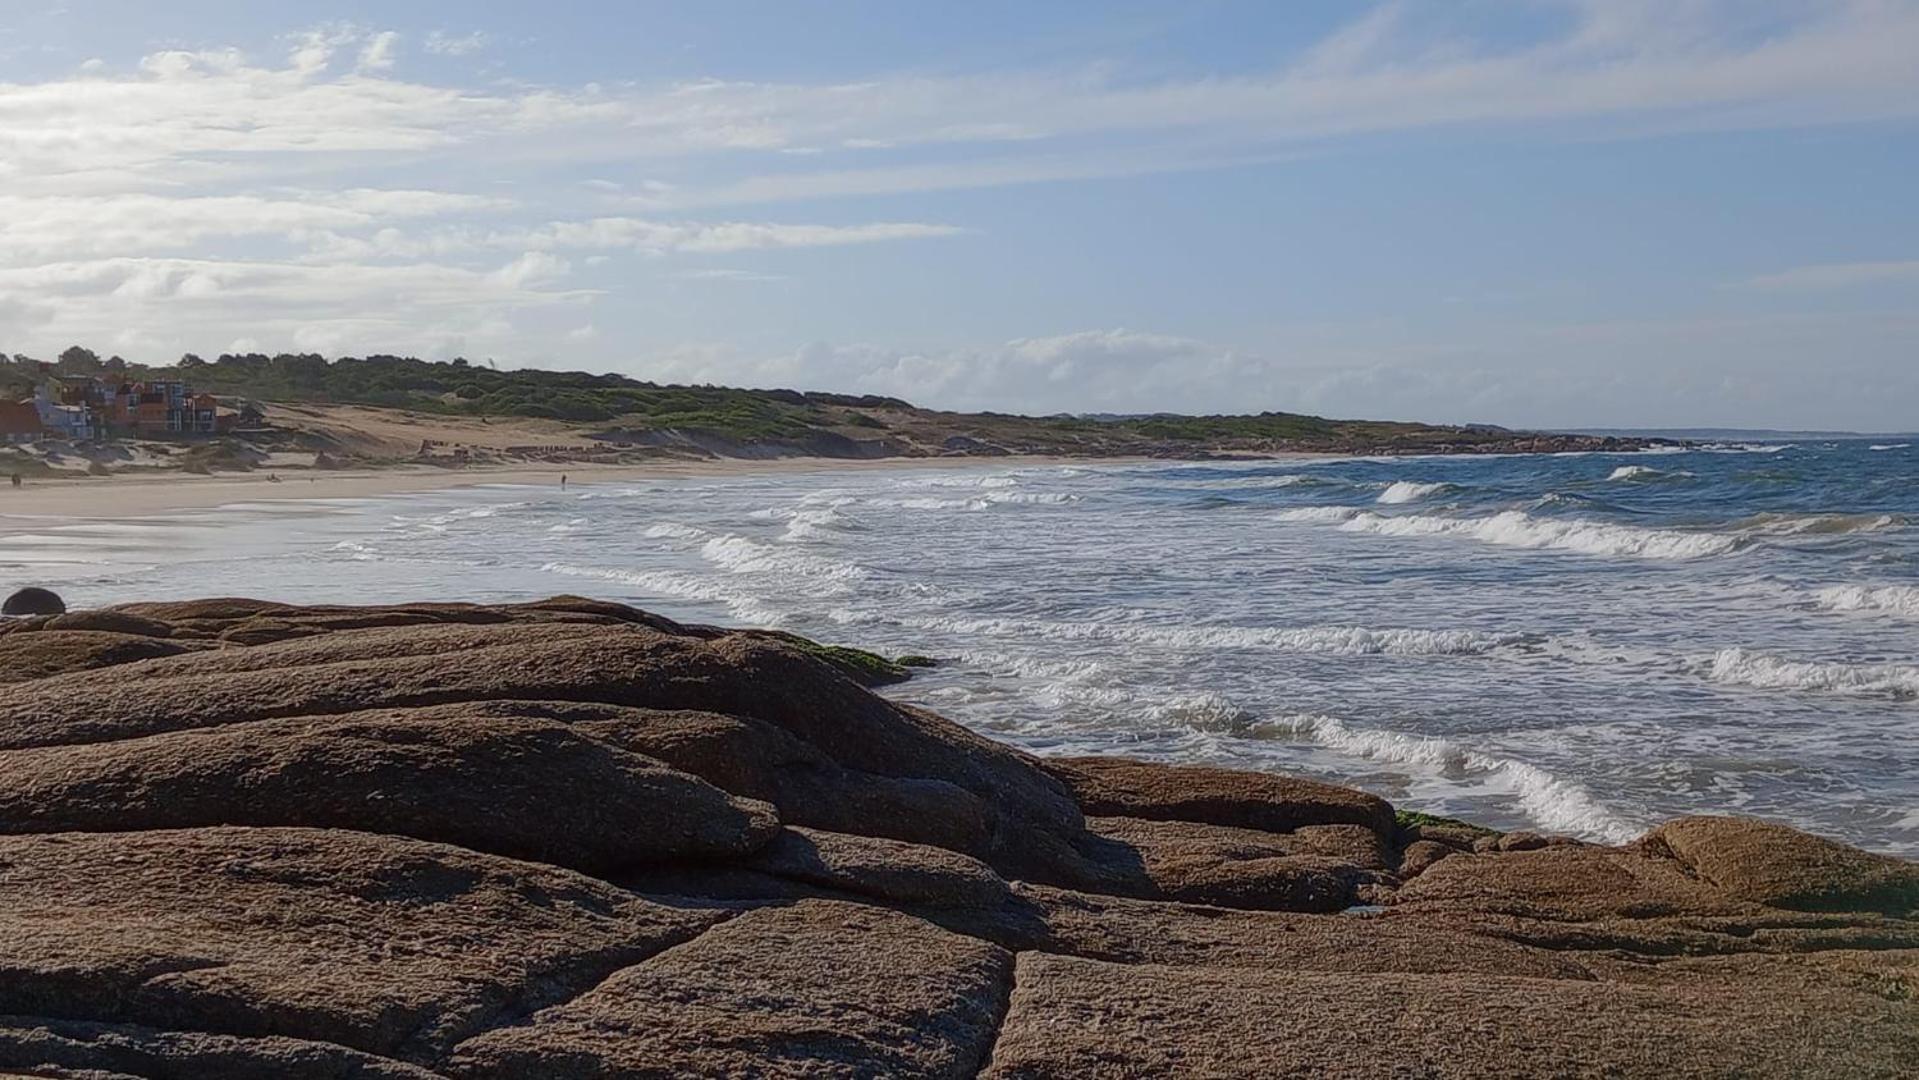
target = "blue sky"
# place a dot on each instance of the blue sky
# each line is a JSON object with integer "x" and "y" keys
{"x": 1540, "y": 212}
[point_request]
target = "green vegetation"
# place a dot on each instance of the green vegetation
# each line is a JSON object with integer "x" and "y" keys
{"x": 1407, "y": 819}
{"x": 624, "y": 409}
{"x": 865, "y": 668}
{"x": 463, "y": 388}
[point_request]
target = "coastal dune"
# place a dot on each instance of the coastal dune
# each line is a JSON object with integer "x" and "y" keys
{"x": 571, "y": 838}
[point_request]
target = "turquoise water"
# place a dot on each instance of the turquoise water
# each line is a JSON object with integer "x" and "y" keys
{"x": 1581, "y": 643}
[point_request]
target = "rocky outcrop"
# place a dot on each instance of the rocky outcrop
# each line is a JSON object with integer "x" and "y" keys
{"x": 573, "y": 839}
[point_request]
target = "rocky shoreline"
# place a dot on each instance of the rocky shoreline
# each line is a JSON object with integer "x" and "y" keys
{"x": 574, "y": 839}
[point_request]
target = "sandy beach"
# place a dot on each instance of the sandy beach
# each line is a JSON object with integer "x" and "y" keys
{"x": 158, "y": 493}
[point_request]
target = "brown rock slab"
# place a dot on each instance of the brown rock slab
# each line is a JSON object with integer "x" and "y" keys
{"x": 1073, "y": 1018}
{"x": 1122, "y": 787}
{"x": 887, "y": 870}
{"x": 1779, "y": 866}
{"x": 760, "y": 761}
{"x": 112, "y": 622}
{"x": 84, "y": 1051}
{"x": 817, "y": 989}
{"x": 1032, "y": 821}
{"x": 1130, "y": 931}
{"x": 532, "y": 789}
{"x": 388, "y": 946}
{"x": 1314, "y": 868}
{"x": 46, "y": 652}
{"x": 1567, "y": 884}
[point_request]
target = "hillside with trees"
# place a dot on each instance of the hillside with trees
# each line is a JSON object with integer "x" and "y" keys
{"x": 620, "y": 410}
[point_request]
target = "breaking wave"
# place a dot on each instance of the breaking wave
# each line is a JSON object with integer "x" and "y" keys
{"x": 1343, "y": 640}
{"x": 1318, "y": 513}
{"x": 1645, "y": 474}
{"x": 1405, "y": 491}
{"x": 739, "y": 555}
{"x": 1819, "y": 524}
{"x": 1897, "y": 599}
{"x": 1883, "y": 447}
{"x": 1514, "y": 528}
{"x": 1555, "y": 803}
{"x": 1250, "y": 483}
{"x": 1744, "y": 667}
{"x": 672, "y": 583}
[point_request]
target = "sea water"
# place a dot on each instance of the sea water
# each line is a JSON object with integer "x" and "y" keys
{"x": 1583, "y": 644}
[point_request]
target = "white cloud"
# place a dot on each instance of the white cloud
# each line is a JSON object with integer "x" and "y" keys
{"x": 211, "y": 194}
{"x": 714, "y": 238}
{"x": 65, "y": 227}
{"x": 378, "y": 53}
{"x": 1835, "y": 276}
{"x": 441, "y": 43}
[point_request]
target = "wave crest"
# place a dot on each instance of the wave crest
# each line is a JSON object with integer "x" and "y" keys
{"x": 1557, "y": 804}
{"x": 1515, "y": 528}
{"x": 1405, "y": 491}
{"x": 1744, "y": 667}
{"x": 1897, "y": 599}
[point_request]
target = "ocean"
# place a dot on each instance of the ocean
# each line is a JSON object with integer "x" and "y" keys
{"x": 1585, "y": 644}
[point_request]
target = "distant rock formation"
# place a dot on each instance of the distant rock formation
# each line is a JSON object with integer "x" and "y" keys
{"x": 573, "y": 839}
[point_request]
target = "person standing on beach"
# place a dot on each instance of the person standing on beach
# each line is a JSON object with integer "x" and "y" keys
{"x": 562, "y": 481}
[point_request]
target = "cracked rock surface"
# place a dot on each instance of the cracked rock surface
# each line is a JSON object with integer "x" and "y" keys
{"x": 574, "y": 839}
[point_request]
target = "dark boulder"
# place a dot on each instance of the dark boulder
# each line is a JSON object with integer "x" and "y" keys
{"x": 33, "y": 600}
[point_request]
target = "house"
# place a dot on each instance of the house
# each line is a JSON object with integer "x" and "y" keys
{"x": 61, "y": 420}
{"x": 20, "y": 422}
{"x": 158, "y": 408}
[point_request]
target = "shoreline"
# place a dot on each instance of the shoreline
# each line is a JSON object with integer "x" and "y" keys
{"x": 93, "y": 498}
{"x": 264, "y": 792}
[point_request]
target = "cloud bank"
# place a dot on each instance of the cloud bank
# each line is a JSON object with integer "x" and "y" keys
{"x": 326, "y": 196}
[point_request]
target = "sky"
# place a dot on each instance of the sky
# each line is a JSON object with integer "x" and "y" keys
{"x": 1544, "y": 213}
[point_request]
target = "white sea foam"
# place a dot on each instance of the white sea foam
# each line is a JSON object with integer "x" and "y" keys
{"x": 1555, "y": 803}
{"x": 1405, "y": 491}
{"x": 1514, "y": 528}
{"x": 1883, "y": 447}
{"x": 1744, "y": 667}
{"x": 740, "y": 555}
{"x": 1774, "y": 524}
{"x": 1895, "y": 599}
{"x": 1643, "y": 473}
{"x": 1318, "y": 513}
{"x": 807, "y": 525}
{"x": 984, "y": 500}
{"x": 672, "y": 530}
{"x": 983, "y": 481}
{"x": 1247, "y": 483}
{"x": 1342, "y": 640}
{"x": 671, "y": 583}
